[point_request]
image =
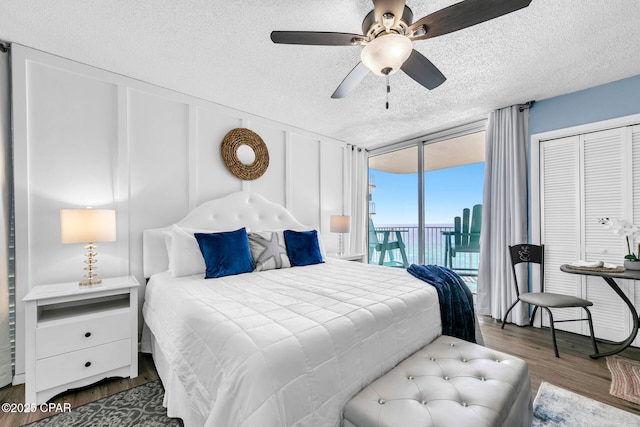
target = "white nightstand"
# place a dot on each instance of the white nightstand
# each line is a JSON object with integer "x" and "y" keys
{"x": 77, "y": 335}
{"x": 352, "y": 257}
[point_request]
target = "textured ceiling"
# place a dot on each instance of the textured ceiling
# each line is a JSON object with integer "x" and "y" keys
{"x": 221, "y": 51}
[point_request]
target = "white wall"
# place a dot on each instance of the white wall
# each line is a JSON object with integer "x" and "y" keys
{"x": 87, "y": 137}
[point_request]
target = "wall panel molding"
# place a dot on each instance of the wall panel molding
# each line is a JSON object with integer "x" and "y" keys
{"x": 153, "y": 155}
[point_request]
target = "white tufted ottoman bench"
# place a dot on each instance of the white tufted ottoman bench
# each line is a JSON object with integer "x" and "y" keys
{"x": 448, "y": 383}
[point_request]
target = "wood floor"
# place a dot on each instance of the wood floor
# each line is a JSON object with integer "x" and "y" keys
{"x": 574, "y": 370}
{"x": 15, "y": 394}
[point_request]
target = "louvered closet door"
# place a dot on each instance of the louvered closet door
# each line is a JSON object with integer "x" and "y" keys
{"x": 604, "y": 195}
{"x": 560, "y": 220}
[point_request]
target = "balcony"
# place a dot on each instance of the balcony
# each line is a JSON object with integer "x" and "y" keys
{"x": 465, "y": 264}
{"x": 435, "y": 179}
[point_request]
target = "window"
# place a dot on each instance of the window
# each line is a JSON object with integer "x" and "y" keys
{"x": 452, "y": 179}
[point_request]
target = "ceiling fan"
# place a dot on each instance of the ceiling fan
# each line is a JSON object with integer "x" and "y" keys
{"x": 388, "y": 34}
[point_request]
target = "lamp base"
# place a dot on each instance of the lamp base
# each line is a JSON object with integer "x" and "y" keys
{"x": 90, "y": 278}
{"x": 90, "y": 282}
{"x": 340, "y": 245}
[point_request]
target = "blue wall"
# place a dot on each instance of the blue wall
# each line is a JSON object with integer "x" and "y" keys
{"x": 617, "y": 99}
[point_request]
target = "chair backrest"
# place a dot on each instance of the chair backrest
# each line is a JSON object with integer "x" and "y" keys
{"x": 530, "y": 254}
{"x": 461, "y": 229}
{"x": 476, "y": 225}
{"x": 466, "y": 235}
{"x": 373, "y": 239}
{"x": 373, "y": 236}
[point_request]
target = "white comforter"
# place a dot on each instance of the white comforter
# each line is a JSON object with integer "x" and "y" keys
{"x": 288, "y": 347}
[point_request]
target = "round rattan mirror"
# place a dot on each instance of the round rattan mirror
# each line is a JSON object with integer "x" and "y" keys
{"x": 245, "y": 154}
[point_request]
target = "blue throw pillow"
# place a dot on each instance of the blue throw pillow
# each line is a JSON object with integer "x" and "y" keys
{"x": 225, "y": 253}
{"x": 303, "y": 247}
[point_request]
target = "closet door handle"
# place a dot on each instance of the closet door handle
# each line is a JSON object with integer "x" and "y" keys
{"x": 87, "y": 335}
{"x": 86, "y": 365}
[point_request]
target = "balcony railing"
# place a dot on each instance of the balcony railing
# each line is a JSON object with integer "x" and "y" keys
{"x": 434, "y": 248}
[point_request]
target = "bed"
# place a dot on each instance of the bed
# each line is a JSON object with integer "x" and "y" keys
{"x": 279, "y": 347}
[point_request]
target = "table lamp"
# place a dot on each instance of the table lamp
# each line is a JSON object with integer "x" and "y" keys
{"x": 88, "y": 226}
{"x": 340, "y": 224}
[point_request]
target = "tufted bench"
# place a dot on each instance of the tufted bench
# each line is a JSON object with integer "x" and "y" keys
{"x": 448, "y": 383}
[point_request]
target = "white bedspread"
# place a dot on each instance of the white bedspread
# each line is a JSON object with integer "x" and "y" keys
{"x": 288, "y": 347}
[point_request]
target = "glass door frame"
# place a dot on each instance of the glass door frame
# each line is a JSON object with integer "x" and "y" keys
{"x": 420, "y": 142}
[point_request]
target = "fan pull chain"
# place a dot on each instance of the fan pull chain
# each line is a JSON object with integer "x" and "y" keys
{"x": 388, "y": 90}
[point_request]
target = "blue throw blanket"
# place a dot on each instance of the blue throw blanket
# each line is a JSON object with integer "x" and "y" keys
{"x": 456, "y": 300}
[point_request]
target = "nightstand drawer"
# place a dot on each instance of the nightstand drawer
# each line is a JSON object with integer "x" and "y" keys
{"x": 82, "y": 332}
{"x": 69, "y": 367}
{"x": 75, "y": 336}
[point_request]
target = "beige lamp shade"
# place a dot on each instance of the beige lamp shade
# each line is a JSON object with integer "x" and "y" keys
{"x": 87, "y": 225}
{"x": 339, "y": 223}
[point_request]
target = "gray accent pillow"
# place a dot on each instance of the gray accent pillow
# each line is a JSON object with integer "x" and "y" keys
{"x": 268, "y": 250}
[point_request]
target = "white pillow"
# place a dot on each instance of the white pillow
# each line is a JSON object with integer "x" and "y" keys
{"x": 185, "y": 257}
{"x": 323, "y": 251}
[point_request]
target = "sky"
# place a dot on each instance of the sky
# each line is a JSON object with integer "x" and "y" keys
{"x": 447, "y": 193}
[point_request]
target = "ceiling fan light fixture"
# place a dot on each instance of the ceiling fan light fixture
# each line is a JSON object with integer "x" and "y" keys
{"x": 386, "y": 52}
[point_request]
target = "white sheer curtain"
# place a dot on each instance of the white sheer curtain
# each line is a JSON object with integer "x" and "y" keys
{"x": 356, "y": 170}
{"x": 6, "y": 371}
{"x": 504, "y": 212}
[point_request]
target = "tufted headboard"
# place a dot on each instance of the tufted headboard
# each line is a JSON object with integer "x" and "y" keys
{"x": 240, "y": 209}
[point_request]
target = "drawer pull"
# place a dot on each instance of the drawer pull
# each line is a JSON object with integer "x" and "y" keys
{"x": 88, "y": 334}
{"x": 86, "y": 365}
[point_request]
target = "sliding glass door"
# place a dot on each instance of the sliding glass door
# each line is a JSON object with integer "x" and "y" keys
{"x": 415, "y": 195}
{"x": 393, "y": 208}
{"x": 453, "y": 187}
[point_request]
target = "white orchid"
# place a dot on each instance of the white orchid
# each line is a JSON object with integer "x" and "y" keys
{"x": 624, "y": 228}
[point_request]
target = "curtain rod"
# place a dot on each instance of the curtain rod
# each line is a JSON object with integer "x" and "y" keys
{"x": 4, "y": 46}
{"x": 525, "y": 106}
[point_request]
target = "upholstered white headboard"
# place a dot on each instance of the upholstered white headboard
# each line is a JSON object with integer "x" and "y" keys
{"x": 241, "y": 209}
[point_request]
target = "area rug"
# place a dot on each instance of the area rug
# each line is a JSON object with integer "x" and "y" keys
{"x": 625, "y": 378}
{"x": 139, "y": 406}
{"x": 557, "y": 407}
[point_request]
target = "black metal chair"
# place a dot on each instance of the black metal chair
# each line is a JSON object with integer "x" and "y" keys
{"x": 534, "y": 254}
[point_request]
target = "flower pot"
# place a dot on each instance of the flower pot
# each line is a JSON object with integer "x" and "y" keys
{"x": 631, "y": 265}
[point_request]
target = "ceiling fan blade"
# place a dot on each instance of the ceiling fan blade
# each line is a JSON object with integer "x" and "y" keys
{"x": 314, "y": 38}
{"x": 465, "y": 14}
{"x": 396, "y": 7}
{"x": 423, "y": 71}
{"x": 352, "y": 80}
